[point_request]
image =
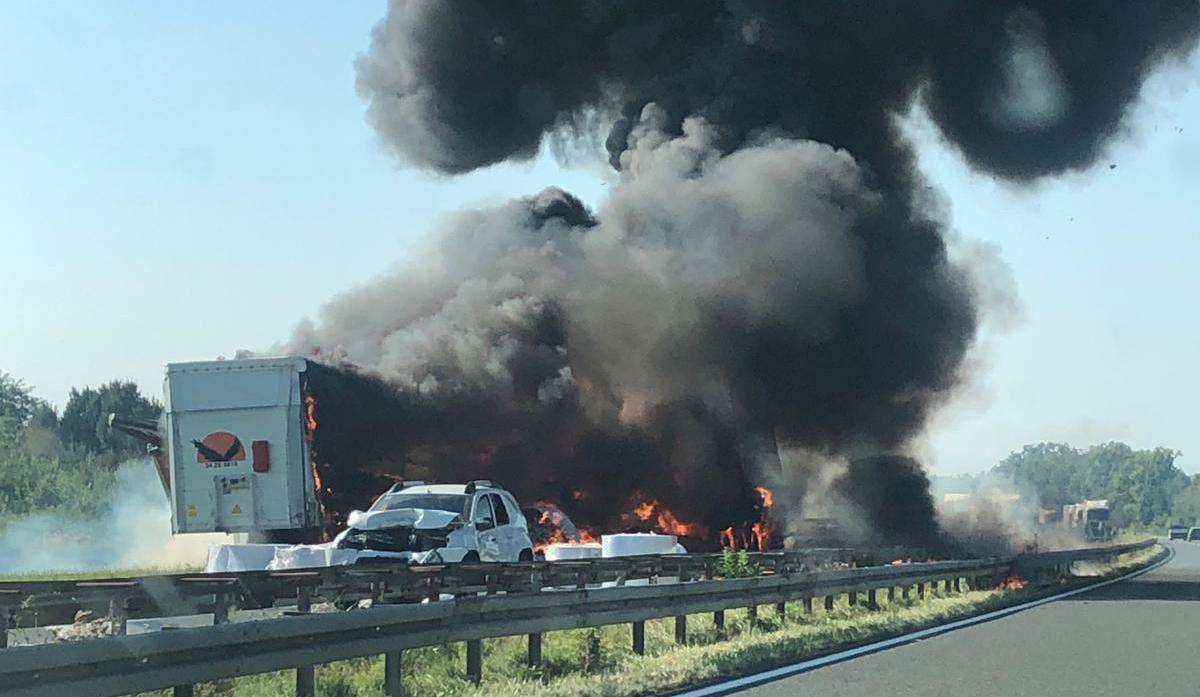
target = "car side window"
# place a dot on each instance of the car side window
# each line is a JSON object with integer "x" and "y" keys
{"x": 484, "y": 518}
{"x": 500, "y": 509}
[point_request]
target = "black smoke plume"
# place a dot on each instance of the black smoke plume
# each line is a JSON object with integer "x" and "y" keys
{"x": 764, "y": 280}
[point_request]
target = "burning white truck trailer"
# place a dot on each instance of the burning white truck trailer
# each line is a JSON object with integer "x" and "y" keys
{"x": 235, "y": 454}
{"x": 238, "y": 451}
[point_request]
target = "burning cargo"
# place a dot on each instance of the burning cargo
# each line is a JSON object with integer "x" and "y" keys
{"x": 287, "y": 449}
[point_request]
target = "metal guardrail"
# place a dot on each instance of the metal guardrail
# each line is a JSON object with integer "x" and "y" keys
{"x": 120, "y": 665}
{"x": 40, "y": 603}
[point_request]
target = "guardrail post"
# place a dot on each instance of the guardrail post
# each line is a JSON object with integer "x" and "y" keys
{"x": 828, "y": 603}
{"x": 920, "y": 590}
{"x": 393, "y": 683}
{"x": 221, "y": 609}
{"x": 957, "y": 585}
{"x": 118, "y": 615}
{"x": 752, "y": 615}
{"x": 475, "y": 660}
{"x": 945, "y": 585}
{"x": 808, "y": 606}
{"x": 306, "y": 679}
{"x": 781, "y": 608}
{"x": 719, "y": 622}
{"x": 904, "y": 592}
{"x": 3, "y": 627}
{"x": 306, "y": 683}
{"x": 535, "y": 650}
{"x": 639, "y": 638}
{"x": 852, "y": 597}
{"x": 891, "y": 594}
{"x": 681, "y": 629}
{"x": 871, "y": 599}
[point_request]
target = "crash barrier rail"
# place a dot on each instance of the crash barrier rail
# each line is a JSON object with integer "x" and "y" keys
{"x": 39, "y": 603}
{"x": 179, "y": 659}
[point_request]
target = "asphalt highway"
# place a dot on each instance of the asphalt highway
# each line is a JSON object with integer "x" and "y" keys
{"x": 1136, "y": 637}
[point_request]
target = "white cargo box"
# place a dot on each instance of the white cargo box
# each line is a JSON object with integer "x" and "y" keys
{"x": 238, "y": 452}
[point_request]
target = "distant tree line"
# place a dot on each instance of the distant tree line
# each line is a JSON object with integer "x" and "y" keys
{"x": 64, "y": 462}
{"x": 1144, "y": 488}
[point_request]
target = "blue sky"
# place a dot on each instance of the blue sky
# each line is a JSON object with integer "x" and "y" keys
{"x": 180, "y": 180}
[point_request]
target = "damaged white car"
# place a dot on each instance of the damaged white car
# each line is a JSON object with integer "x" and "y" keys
{"x": 436, "y": 523}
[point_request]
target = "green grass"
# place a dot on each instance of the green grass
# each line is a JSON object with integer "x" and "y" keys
{"x": 97, "y": 574}
{"x": 1128, "y": 537}
{"x": 1129, "y": 562}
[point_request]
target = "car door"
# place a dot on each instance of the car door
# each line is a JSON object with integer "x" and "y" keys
{"x": 519, "y": 530}
{"x": 505, "y": 529}
{"x": 484, "y": 519}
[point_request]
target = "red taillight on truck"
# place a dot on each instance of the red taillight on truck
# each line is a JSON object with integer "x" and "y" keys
{"x": 261, "y": 450}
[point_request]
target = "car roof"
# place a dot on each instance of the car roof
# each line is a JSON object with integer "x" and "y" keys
{"x": 443, "y": 489}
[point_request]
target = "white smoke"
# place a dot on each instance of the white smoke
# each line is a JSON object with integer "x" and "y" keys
{"x": 133, "y": 532}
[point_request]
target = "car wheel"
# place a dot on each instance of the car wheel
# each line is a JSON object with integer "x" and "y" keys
{"x": 525, "y": 555}
{"x": 471, "y": 558}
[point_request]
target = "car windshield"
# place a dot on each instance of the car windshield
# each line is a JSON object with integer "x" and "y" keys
{"x": 454, "y": 503}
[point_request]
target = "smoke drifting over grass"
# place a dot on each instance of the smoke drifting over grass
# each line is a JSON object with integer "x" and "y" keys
{"x": 767, "y": 272}
{"x": 133, "y": 533}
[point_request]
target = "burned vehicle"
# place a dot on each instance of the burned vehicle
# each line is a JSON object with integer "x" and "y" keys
{"x": 548, "y": 524}
{"x": 435, "y": 523}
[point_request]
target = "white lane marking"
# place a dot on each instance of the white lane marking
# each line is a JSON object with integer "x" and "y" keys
{"x": 736, "y": 684}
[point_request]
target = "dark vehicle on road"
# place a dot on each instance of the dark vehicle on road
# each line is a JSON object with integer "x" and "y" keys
{"x": 1193, "y": 535}
{"x": 1177, "y": 532}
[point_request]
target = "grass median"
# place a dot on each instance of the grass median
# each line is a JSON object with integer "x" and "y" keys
{"x": 585, "y": 662}
{"x": 97, "y": 574}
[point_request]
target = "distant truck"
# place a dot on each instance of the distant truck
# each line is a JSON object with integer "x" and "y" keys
{"x": 1089, "y": 519}
{"x": 1177, "y": 532}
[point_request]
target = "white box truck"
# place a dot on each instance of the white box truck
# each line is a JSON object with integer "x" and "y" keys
{"x": 239, "y": 454}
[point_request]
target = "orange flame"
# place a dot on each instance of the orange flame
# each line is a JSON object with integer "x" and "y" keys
{"x": 310, "y": 416}
{"x": 668, "y": 523}
{"x": 762, "y": 535}
{"x": 664, "y": 521}
{"x": 556, "y": 537}
{"x": 553, "y": 517}
{"x": 1013, "y": 583}
{"x": 310, "y": 431}
{"x": 758, "y": 536}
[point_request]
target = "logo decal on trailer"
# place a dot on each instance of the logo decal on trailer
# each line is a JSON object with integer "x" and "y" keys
{"x": 219, "y": 446}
